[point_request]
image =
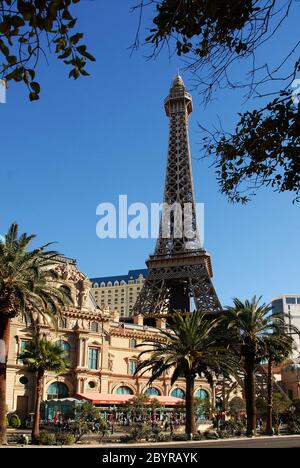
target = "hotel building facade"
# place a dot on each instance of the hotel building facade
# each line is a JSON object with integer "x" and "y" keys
{"x": 102, "y": 353}
{"x": 118, "y": 292}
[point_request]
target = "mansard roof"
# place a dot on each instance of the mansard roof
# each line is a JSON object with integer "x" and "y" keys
{"x": 131, "y": 275}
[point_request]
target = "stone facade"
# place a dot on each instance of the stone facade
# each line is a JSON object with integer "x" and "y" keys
{"x": 102, "y": 353}
{"x": 118, "y": 292}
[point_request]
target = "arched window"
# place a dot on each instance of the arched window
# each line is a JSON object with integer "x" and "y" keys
{"x": 109, "y": 283}
{"x": 94, "y": 327}
{"x": 116, "y": 283}
{"x": 57, "y": 390}
{"x": 152, "y": 391}
{"x": 203, "y": 407}
{"x": 132, "y": 343}
{"x": 123, "y": 282}
{"x": 178, "y": 393}
{"x": 95, "y": 285}
{"x": 66, "y": 347}
{"x": 102, "y": 285}
{"x": 202, "y": 394}
{"x": 124, "y": 391}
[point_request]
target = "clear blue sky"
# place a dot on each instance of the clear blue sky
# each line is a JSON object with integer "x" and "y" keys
{"x": 87, "y": 141}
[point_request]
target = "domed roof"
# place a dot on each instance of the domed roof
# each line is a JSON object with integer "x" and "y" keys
{"x": 178, "y": 81}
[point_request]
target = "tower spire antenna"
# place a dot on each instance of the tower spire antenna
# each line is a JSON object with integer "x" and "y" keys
{"x": 180, "y": 269}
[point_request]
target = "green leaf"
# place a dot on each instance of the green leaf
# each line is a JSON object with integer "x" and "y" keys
{"x": 84, "y": 72}
{"x": 66, "y": 53}
{"x": 3, "y": 48}
{"x": 35, "y": 87}
{"x": 12, "y": 59}
{"x": 33, "y": 96}
{"x": 74, "y": 39}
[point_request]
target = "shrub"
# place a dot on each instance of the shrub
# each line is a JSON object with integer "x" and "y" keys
{"x": 211, "y": 435}
{"x": 198, "y": 437}
{"x": 47, "y": 438}
{"x": 14, "y": 421}
{"x": 293, "y": 425}
{"x": 163, "y": 438}
{"x": 140, "y": 432}
{"x": 180, "y": 437}
{"x": 64, "y": 438}
{"x": 231, "y": 428}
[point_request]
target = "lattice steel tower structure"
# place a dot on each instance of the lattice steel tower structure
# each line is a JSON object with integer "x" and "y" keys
{"x": 180, "y": 269}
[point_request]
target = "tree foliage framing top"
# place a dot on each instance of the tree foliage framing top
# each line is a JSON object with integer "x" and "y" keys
{"x": 30, "y": 29}
{"x": 211, "y": 35}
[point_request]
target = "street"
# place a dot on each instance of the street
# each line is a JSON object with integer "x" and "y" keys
{"x": 259, "y": 442}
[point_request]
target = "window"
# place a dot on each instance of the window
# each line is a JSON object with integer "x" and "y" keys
{"x": 132, "y": 343}
{"x": 93, "y": 358}
{"x": 23, "y": 380}
{"x": 124, "y": 391}
{"x": 109, "y": 283}
{"x": 152, "y": 391}
{"x": 132, "y": 365}
{"x": 202, "y": 411}
{"x": 202, "y": 394}
{"x": 96, "y": 285}
{"x": 94, "y": 327}
{"x": 298, "y": 300}
{"x": 102, "y": 285}
{"x": 57, "y": 390}
{"x": 178, "y": 393}
{"x": 291, "y": 300}
{"x": 116, "y": 283}
{"x": 91, "y": 384}
{"x": 291, "y": 394}
{"x": 22, "y": 347}
{"x": 65, "y": 346}
{"x": 277, "y": 306}
{"x": 27, "y": 318}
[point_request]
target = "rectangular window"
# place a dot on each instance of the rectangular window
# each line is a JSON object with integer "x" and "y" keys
{"x": 93, "y": 358}
{"x": 22, "y": 347}
{"x": 132, "y": 365}
{"x": 291, "y": 300}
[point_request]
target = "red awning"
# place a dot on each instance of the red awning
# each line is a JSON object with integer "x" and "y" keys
{"x": 115, "y": 399}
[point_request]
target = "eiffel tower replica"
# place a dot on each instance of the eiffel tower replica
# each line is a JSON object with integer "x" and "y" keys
{"x": 180, "y": 270}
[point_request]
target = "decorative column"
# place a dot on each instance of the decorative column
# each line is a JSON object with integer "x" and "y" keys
{"x": 84, "y": 357}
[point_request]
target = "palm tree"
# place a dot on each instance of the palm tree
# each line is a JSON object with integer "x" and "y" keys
{"x": 251, "y": 323}
{"x": 278, "y": 347}
{"x": 29, "y": 285}
{"x": 40, "y": 356}
{"x": 189, "y": 348}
